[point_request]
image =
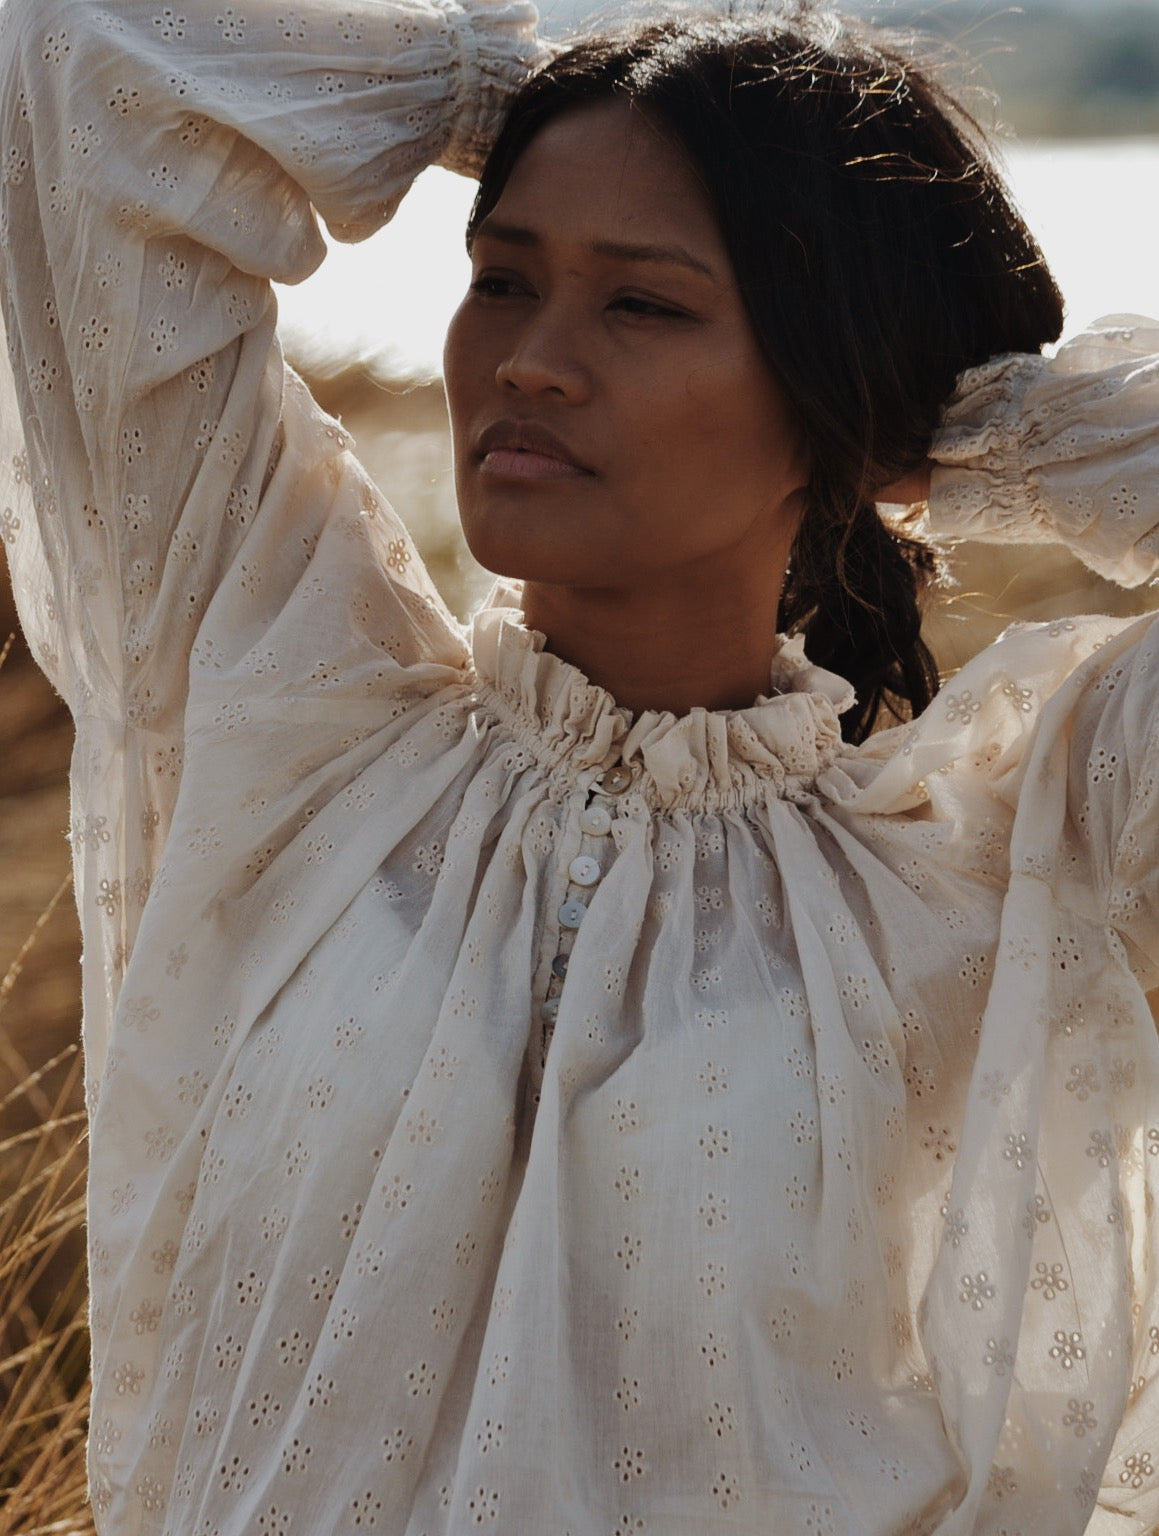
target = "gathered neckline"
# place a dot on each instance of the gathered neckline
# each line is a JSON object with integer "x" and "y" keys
{"x": 704, "y": 760}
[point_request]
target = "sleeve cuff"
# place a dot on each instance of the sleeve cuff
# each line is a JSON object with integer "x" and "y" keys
{"x": 497, "y": 51}
{"x": 980, "y": 488}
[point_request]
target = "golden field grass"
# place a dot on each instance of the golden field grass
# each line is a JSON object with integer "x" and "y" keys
{"x": 43, "y": 1341}
{"x": 43, "y": 1337}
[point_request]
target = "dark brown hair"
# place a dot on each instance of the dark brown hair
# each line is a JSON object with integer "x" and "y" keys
{"x": 878, "y": 254}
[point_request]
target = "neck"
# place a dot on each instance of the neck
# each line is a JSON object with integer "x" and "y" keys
{"x": 676, "y": 644}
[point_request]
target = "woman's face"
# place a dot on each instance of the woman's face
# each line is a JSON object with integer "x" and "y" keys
{"x": 613, "y": 419}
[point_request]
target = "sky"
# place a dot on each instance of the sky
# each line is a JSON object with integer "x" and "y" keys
{"x": 388, "y": 300}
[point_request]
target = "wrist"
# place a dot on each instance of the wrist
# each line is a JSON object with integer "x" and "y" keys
{"x": 497, "y": 51}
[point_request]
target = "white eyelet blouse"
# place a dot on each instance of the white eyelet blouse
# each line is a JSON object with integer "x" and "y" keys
{"x": 508, "y": 1114}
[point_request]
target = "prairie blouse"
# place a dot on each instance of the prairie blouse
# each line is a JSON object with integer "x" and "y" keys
{"x": 508, "y": 1114}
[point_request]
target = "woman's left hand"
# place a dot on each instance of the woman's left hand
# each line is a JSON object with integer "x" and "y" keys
{"x": 909, "y": 489}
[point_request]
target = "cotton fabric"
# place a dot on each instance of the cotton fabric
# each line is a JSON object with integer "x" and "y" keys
{"x": 815, "y": 1195}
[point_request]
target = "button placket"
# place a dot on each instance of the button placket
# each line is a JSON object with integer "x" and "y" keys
{"x": 603, "y": 787}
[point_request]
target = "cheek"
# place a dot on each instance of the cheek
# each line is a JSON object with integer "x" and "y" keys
{"x": 462, "y": 380}
{"x": 454, "y": 357}
{"x": 701, "y": 427}
{"x": 678, "y": 416}
{"x": 469, "y": 350}
{"x": 719, "y": 395}
{"x": 737, "y": 412}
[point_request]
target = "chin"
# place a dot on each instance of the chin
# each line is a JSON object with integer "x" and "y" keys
{"x": 522, "y": 549}
{"x": 549, "y": 572}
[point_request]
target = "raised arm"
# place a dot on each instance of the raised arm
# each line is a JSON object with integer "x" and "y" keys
{"x": 1059, "y": 450}
{"x": 161, "y": 164}
{"x": 186, "y": 530}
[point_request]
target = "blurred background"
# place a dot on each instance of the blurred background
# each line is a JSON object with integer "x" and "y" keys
{"x": 1067, "y": 89}
{"x": 1070, "y": 92}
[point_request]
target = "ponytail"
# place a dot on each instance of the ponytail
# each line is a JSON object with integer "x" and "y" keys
{"x": 853, "y": 592}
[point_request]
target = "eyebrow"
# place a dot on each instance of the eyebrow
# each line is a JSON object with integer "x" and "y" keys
{"x": 617, "y": 250}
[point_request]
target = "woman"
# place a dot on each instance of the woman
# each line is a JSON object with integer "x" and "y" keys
{"x": 559, "y": 1084}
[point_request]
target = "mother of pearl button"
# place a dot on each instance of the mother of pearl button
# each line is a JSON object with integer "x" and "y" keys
{"x": 596, "y": 820}
{"x": 572, "y": 913}
{"x": 584, "y": 870}
{"x": 614, "y": 781}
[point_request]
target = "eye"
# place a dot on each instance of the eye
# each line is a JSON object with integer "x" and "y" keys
{"x": 641, "y": 308}
{"x": 497, "y": 285}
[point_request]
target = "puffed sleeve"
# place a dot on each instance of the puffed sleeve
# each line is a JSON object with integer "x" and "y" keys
{"x": 161, "y": 163}
{"x": 1064, "y": 715}
{"x": 192, "y": 543}
{"x": 1066, "y": 450}
{"x": 1059, "y": 450}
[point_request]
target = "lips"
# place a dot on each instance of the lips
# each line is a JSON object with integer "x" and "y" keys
{"x": 523, "y": 450}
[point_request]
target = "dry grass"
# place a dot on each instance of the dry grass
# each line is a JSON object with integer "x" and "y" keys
{"x": 44, "y": 1350}
{"x": 43, "y": 1334}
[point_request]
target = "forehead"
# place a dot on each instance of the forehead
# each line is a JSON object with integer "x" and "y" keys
{"x": 604, "y": 168}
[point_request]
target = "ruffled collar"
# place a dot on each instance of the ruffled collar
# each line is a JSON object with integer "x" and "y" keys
{"x": 706, "y": 760}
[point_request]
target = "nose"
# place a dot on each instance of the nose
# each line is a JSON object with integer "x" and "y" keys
{"x": 545, "y": 356}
